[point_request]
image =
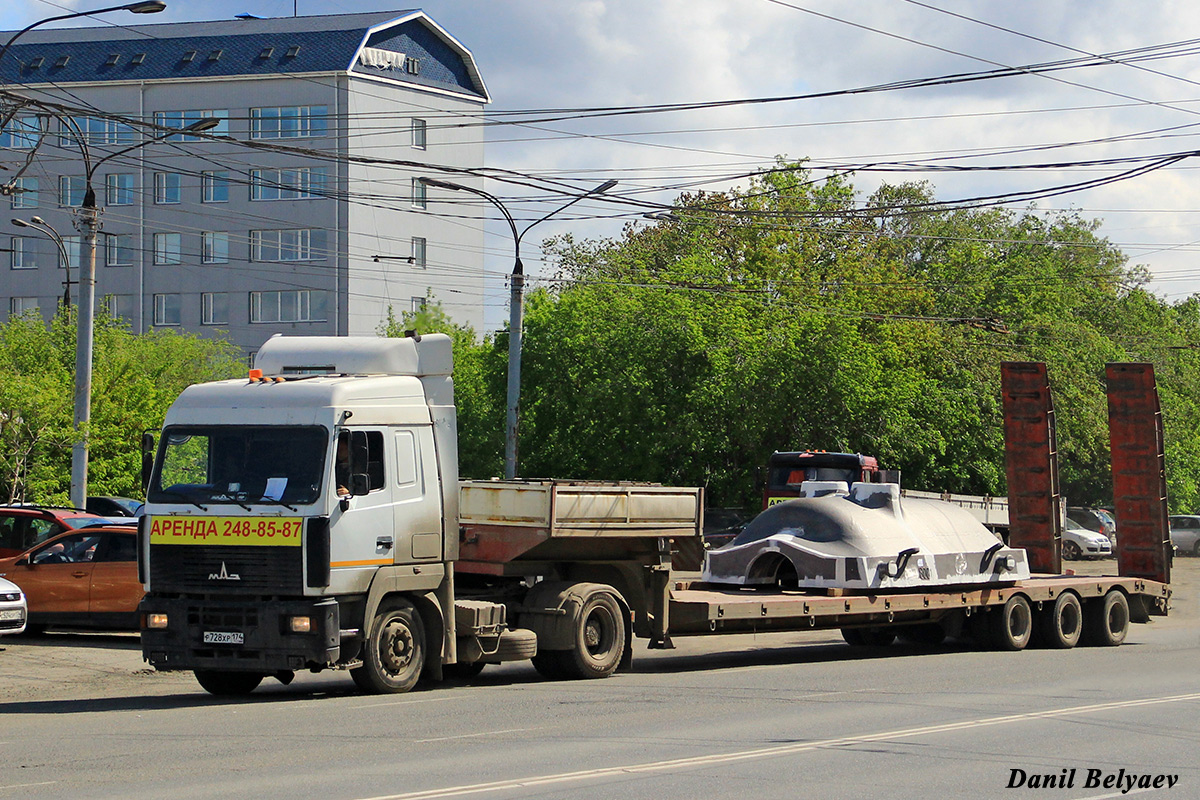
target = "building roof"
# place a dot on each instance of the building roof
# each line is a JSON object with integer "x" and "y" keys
{"x": 248, "y": 47}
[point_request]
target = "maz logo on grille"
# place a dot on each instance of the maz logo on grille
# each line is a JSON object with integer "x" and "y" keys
{"x": 224, "y": 575}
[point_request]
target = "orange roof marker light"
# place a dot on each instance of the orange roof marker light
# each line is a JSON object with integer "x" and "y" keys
{"x": 255, "y": 375}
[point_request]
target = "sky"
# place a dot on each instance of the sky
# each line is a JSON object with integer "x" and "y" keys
{"x": 1125, "y": 108}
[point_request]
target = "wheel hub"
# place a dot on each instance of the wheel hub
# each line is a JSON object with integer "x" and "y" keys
{"x": 397, "y": 649}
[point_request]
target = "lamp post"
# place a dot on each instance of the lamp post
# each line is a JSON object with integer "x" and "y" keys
{"x": 47, "y": 230}
{"x": 516, "y": 292}
{"x": 88, "y": 223}
{"x": 148, "y": 7}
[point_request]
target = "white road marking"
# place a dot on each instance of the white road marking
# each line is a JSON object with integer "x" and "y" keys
{"x": 409, "y": 702}
{"x": 770, "y": 752}
{"x": 472, "y": 735}
{"x": 1120, "y": 794}
{"x": 26, "y": 785}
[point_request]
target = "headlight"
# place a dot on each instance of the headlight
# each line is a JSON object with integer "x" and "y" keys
{"x": 301, "y": 624}
{"x": 156, "y": 621}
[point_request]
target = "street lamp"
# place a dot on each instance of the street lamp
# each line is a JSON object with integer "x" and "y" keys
{"x": 149, "y": 7}
{"x": 516, "y": 290}
{"x": 88, "y": 223}
{"x": 47, "y": 230}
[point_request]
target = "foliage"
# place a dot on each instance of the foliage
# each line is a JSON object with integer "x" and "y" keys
{"x": 134, "y": 380}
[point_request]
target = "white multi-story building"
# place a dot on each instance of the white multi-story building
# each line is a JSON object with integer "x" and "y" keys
{"x": 330, "y": 122}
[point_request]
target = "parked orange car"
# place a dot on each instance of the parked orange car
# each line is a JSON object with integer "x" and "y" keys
{"x": 22, "y": 527}
{"x": 85, "y": 578}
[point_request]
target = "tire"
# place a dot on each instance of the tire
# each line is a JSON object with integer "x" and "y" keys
{"x": 228, "y": 683}
{"x": 1106, "y": 621}
{"x": 462, "y": 672}
{"x": 868, "y": 637}
{"x": 1060, "y": 625}
{"x": 1196, "y": 548}
{"x": 927, "y": 634}
{"x": 1012, "y": 625}
{"x": 599, "y": 630}
{"x": 516, "y": 644}
{"x": 394, "y": 653}
{"x": 1071, "y": 551}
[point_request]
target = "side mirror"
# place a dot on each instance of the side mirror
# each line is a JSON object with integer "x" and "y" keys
{"x": 360, "y": 483}
{"x": 147, "y": 460}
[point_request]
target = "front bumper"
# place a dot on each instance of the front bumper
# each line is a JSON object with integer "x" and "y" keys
{"x": 267, "y": 643}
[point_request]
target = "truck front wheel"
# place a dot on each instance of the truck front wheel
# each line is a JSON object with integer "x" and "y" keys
{"x": 228, "y": 683}
{"x": 394, "y": 654}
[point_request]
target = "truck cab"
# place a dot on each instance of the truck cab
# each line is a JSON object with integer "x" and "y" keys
{"x": 283, "y": 508}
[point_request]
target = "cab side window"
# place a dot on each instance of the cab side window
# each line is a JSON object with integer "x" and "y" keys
{"x": 366, "y": 455}
{"x": 118, "y": 547}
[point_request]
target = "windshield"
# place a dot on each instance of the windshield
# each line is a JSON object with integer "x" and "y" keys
{"x": 240, "y": 464}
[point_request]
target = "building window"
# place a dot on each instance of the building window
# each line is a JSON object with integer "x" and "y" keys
{"x": 418, "y": 304}
{"x": 118, "y": 189}
{"x": 418, "y": 252}
{"x": 287, "y": 122}
{"x": 167, "y": 308}
{"x": 73, "y": 245}
{"x": 168, "y": 188}
{"x": 21, "y": 305}
{"x": 119, "y": 306}
{"x": 25, "y": 193}
{"x": 216, "y": 186}
{"x": 168, "y": 248}
{"x": 214, "y": 308}
{"x": 21, "y": 133}
{"x": 178, "y": 120}
{"x": 301, "y": 183}
{"x": 419, "y": 199}
{"x": 96, "y": 130}
{"x": 26, "y": 252}
{"x": 118, "y": 249}
{"x": 71, "y": 189}
{"x": 418, "y": 133}
{"x": 215, "y": 247}
{"x": 301, "y": 305}
{"x": 304, "y": 244}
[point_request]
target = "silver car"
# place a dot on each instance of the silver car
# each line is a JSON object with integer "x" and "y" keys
{"x": 13, "y": 609}
{"x": 1078, "y": 542}
{"x": 1185, "y": 534}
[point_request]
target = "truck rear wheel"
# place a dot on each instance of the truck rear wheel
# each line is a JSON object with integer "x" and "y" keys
{"x": 1059, "y": 625}
{"x": 1012, "y": 625}
{"x": 394, "y": 654}
{"x": 1106, "y": 621}
{"x": 599, "y": 633}
{"x": 223, "y": 683}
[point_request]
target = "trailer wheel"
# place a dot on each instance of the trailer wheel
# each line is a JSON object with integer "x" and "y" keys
{"x": 395, "y": 650}
{"x": 1060, "y": 625}
{"x": 599, "y": 639}
{"x": 1012, "y": 625}
{"x": 1071, "y": 551}
{"x": 868, "y": 637}
{"x": 223, "y": 683}
{"x": 1106, "y": 621}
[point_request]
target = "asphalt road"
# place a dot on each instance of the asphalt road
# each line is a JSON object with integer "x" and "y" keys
{"x": 769, "y": 716}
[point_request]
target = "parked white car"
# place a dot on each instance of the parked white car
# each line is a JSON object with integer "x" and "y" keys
{"x": 1078, "y": 542}
{"x": 13, "y": 609}
{"x": 1185, "y": 533}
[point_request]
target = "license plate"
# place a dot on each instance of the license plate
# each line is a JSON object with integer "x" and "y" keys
{"x": 12, "y": 613}
{"x": 224, "y": 637}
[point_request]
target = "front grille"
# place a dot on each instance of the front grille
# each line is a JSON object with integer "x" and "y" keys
{"x": 244, "y": 569}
